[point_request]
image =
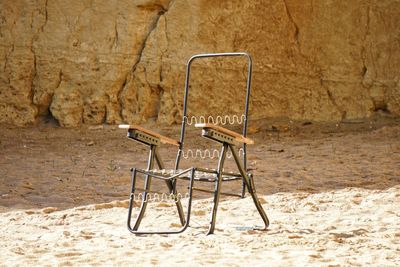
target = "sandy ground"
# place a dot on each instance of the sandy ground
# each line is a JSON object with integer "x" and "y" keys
{"x": 332, "y": 193}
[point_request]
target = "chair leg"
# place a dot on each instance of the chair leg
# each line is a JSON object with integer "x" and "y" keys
{"x": 172, "y": 189}
{"x": 243, "y": 189}
{"x": 250, "y": 187}
{"x": 177, "y": 201}
{"x": 131, "y": 198}
{"x": 147, "y": 185}
{"x": 217, "y": 190}
{"x": 189, "y": 209}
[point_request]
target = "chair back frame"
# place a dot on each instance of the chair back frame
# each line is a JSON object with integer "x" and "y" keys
{"x": 186, "y": 96}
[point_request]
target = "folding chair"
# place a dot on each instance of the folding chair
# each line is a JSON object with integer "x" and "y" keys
{"x": 227, "y": 140}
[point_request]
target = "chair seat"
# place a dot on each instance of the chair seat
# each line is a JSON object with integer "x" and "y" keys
{"x": 206, "y": 175}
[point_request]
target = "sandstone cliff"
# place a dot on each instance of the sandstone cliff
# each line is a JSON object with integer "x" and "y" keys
{"x": 96, "y": 61}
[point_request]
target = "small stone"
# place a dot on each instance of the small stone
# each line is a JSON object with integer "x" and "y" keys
{"x": 66, "y": 233}
{"x": 49, "y": 210}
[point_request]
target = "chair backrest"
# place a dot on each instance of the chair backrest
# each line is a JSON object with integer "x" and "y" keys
{"x": 243, "y": 118}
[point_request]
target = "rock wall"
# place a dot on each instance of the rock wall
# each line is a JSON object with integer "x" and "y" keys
{"x": 97, "y": 61}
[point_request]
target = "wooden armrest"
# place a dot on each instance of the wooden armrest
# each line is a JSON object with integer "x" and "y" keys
{"x": 163, "y": 139}
{"x": 238, "y": 137}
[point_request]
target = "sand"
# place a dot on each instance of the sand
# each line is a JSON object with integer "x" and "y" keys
{"x": 332, "y": 193}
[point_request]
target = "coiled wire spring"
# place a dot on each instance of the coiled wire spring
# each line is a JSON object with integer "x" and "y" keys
{"x": 235, "y": 119}
{"x": 207, "y": 153}
{"x": 211, "y": 153}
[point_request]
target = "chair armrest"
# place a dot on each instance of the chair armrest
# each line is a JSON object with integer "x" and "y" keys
{"x": 163, "y": 139}
{"x": 238, "y": 137}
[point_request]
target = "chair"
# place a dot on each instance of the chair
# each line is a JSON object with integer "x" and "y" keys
{"x": 227, "y": 140}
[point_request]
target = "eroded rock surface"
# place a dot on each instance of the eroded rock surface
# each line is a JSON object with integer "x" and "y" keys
{"x": 113, "y": 61}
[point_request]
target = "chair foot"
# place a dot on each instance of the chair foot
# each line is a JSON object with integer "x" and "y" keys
{"x": 136, "y": 232}
{"x": 185, "y": 225}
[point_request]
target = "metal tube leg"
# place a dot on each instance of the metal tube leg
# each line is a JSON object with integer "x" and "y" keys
{"x": 251, "y": 179}
{"x": 217, "y": 190}
{"x": 177, "y": 202}
{"x": 250, "y": 187}
{"x": 131, "y": 198}
{"x": 243, "y": 189}
{"x": 172, "y": 189}
{"x": 189, "y": 207}
{"x": 147, "y": 184}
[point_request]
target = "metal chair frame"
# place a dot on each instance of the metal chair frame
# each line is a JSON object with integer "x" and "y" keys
{"x": 226, "y": 138}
